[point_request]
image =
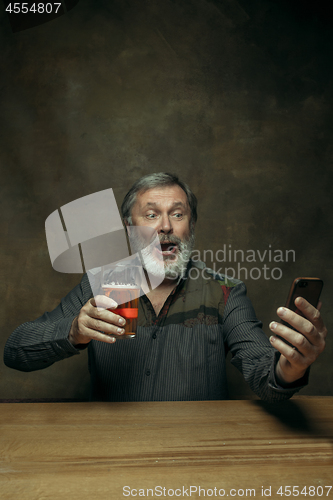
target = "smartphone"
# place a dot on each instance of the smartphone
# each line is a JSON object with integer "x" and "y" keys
{"x": 308, "y": 288}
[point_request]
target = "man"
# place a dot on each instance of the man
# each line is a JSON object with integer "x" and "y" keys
{"x": 186, "y": 325}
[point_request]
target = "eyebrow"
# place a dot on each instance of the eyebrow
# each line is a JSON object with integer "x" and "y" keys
{"x": 175, "y": 205}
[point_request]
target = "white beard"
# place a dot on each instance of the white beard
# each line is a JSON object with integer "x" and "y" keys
{"x": 173, "y": 267}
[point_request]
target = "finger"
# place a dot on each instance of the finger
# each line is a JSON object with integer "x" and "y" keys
{"x": 301, "y": 324}
{"x": 310, "y": 312}
{"x": 103, "y": 302}
{"x": 106, "y": 316}
{"x": 100, "y": 336}
{"x": 296, "y": 340}
{"x": 98, "y": 323}
{"x": 298, "y": 323}
{"x": 295, "y": 358}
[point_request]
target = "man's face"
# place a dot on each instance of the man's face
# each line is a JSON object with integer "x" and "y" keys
{"x": 166, "y": 210}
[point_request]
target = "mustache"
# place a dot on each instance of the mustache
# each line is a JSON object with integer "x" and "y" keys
{"x": 139, "y": 242}
{"x": 169, "y": 239}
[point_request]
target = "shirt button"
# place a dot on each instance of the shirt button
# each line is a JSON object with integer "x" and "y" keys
{"x": 147, "y": 373}
{"x": 154, "y": 335}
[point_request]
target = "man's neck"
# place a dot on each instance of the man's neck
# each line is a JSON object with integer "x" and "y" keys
{"x": 159, "y": 295}
{"x": 167, "y": 285}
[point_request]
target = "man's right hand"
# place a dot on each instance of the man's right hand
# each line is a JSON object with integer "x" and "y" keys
{"x": 96, "y": 322}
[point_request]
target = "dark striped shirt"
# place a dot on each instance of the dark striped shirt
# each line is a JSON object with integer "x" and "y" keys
{"x": 176, "y": 356}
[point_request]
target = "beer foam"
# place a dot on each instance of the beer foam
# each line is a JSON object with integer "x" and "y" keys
{"x": 121, "y": 285}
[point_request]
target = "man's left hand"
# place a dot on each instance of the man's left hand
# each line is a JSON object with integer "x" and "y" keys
{"x": 306, "y": 343}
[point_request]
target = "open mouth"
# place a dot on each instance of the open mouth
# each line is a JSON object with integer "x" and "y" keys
{"x": 168, "y": 248}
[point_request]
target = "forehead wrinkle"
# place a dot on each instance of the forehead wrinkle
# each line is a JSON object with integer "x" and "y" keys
{"x": 156, "y": 204}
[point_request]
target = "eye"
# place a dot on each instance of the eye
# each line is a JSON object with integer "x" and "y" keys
{"x": 151, "y": 216}
{"x": 178, "y": 215}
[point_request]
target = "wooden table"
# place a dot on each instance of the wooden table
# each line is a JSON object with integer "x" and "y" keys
{"x": 93, "y": 450}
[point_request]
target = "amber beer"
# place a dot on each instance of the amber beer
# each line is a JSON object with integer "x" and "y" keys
{"x": 128, "y": 299}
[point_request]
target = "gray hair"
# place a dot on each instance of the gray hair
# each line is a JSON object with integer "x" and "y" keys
{"x": 151, "y": 181}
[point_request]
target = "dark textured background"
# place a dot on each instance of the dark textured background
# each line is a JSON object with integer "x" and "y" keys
{"x": 235, "y": 97}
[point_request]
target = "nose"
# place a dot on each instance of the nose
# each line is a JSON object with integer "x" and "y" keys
{"x": 165, "y": 226}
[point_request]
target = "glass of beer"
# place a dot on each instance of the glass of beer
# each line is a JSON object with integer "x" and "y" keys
{"x": 121, "y": 282}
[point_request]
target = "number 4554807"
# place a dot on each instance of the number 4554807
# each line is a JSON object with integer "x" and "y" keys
{"x": 36, "y": 8}
{"x": 311, "y": 491}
